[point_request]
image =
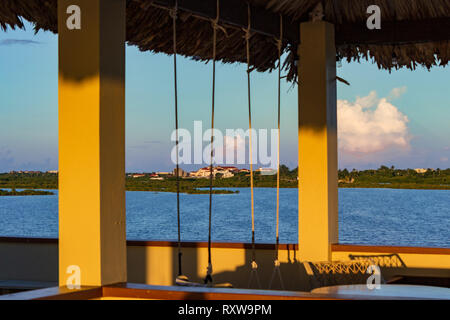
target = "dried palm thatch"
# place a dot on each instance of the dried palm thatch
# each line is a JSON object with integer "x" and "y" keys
{"x": 42, "y": 13}
{"x": 149, "y": 28}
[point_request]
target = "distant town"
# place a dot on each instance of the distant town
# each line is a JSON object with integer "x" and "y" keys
{"x": 218, "y": 172}
{"x": 226, "y": 172}
{"x": 233, "y": 177}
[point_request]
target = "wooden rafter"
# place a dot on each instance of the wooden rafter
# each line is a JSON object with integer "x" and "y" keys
{"x": 264, "y": 22}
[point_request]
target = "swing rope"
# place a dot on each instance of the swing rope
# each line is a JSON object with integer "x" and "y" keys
{"x": 254, "y": 265}
{"x": 181, "y": 279}
{"x": 276, "y": 269}
{"x": 215, "y": 26}
{"x": 173, "y": 14}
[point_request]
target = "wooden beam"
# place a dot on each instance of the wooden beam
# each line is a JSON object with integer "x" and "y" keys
{"x": 394, "y": 32}
{"x": 234, "y": 13}
{"x": 336, "y": 247}
{"x": 264, "y": 22}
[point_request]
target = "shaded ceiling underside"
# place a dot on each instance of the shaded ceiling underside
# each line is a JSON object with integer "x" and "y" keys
{"x": 416, "y": 32}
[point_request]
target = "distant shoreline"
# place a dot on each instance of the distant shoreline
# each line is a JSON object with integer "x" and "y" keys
{"x": 217, "y": 189}
{"x": 27, "y": 192}
{"x": 384, "y": 177}
{"x": 399, "y": 187}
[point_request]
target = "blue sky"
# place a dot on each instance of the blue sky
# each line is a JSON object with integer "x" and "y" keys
{"x": 410, "y": 110}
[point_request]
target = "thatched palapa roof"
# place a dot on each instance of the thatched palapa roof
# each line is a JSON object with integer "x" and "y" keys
{"x": 415, "y": 32}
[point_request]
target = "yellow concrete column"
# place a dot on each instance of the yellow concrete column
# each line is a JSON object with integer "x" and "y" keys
{"x": 92, "y": 237}
{"x": 317, "y": 142}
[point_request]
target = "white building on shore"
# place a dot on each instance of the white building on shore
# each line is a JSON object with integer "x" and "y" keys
{"x": 225, "y": 172}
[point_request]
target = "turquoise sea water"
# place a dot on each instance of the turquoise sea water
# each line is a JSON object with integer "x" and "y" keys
{"x": 366, "y": 216}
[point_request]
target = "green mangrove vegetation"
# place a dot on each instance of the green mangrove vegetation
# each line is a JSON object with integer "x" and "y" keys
{"x": 390, "y": 177}
{"x": 27, "y": 192}
{"x": 383, "y": 177}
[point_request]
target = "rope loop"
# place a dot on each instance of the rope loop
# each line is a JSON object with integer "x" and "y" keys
{"x": 208, "y": 278}
{"x": 247, "y": 34}
{"x": 215, "y": 22}
{"x": 248, "y": 31}
{"x": 209, "y": 269}
{"x": 279, "y": 41}
{"x": 216, "y": 26}
{"x": 173, "y": 12}
{"x": 279, "y": 44}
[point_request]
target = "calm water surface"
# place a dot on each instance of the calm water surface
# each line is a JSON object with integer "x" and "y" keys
{"x": 366, "y": 216}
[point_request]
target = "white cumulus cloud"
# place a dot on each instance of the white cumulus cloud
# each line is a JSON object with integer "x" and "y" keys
{"x": 372, "y": 124}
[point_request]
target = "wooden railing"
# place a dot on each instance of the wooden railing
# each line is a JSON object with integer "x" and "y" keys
{"x": 259, "y": 246}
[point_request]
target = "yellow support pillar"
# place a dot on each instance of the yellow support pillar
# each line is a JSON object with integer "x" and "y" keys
{"x": 317, "y": 142}
{"x": 92, "y": 236}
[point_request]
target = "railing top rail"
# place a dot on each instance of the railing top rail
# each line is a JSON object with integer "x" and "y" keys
{"x": 260, "y": 246}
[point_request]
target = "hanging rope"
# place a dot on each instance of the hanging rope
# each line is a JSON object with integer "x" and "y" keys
{"x": 276, "y": 269}
{"x": 215, "y": 26}
{"x": 181, "y": 279}
{"x": 173, "y": 13}
{"x": 254, "y": 265}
